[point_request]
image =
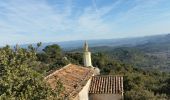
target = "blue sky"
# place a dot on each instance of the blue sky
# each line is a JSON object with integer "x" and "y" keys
{"x": 31, "y": 21}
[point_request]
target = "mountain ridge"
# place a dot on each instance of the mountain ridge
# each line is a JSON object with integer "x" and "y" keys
{"x": 126, "y": 42}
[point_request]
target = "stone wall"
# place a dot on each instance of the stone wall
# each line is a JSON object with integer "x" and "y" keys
{"x": 105, "y": 97}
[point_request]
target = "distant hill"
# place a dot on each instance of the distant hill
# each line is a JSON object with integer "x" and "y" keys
{"x": 125, "y": 42}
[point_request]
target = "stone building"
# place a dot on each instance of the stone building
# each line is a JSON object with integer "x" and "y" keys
{"x": 85, "y": 83}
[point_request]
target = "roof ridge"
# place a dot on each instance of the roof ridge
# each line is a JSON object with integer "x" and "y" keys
{"x": 108, "y": 75}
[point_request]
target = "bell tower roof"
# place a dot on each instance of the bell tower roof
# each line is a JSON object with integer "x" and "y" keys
{"x": 86, "y": 48}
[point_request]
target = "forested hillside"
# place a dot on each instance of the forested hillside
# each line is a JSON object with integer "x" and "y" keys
{"x": 142, "y": 59}
{"x": 146, "y": 56}
{"x": 23, "y": 69}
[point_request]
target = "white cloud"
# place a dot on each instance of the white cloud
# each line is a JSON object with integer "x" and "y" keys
{"x": 24, "y": 21}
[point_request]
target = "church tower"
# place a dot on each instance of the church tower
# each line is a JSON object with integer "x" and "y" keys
{"x": 87, "y": 56}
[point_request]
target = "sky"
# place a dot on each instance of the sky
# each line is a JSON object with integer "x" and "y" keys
{"x": 32, "y": 21}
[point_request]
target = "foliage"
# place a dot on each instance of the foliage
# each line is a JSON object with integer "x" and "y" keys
{"x": 52, "y": 58}
{"x": 18, "y": 80}
{"x": 53, "y": 51}
{"x": 75, "y": 58}
{"x": 141, "y": 59}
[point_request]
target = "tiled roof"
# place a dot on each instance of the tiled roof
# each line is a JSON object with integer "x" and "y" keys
{"x": 106, "y": 85}
{"x": 73, "y": 78}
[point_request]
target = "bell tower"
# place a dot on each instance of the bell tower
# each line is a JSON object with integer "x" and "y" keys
{"x": 87, "y": 55}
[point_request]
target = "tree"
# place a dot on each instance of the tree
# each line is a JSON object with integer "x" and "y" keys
{"x": 140, "y": 95}
{"x": 18, "y": 80}
{"x": 53, "y": 51}
{"x": 52, "y": 56}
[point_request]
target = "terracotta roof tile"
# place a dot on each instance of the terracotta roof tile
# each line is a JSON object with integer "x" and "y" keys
{"x": 106, "y": 85}
{"x": 73, "y": 78}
